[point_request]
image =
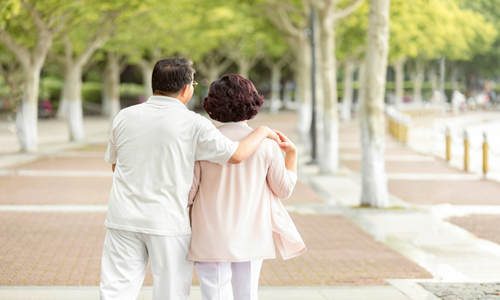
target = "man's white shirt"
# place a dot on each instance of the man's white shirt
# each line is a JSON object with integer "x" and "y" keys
{"x": 154, "y": 146}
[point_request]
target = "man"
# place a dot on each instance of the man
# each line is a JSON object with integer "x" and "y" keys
{"x": 152, "y": 149}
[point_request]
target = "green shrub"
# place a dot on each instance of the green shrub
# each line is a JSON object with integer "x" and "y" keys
{"x": 51, "y": 88}
{"x": 92, "y": 92}
{"x": 131, "y": 90}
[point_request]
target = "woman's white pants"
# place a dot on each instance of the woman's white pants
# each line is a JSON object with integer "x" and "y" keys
{"x": 124, "y": 263}
{"x": 229, "y": 280}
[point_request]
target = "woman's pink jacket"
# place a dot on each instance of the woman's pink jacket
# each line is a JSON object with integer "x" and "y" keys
{"x": 236, "y": 213}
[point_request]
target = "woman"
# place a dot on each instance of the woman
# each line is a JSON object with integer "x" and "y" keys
{"x": 236, "y": 214}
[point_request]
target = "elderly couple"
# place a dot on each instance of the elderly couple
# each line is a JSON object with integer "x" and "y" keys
{"x": 185, "y": 192}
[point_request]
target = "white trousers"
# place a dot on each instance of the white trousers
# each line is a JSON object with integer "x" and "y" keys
{"x": 124, "y": 263}
{"x": 216, "y": 277}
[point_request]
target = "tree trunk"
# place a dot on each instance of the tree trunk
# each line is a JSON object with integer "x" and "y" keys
{"x": 147, "y": 75}
{"x": 442, "y": 79}
{"x": 418, "y": 80}
{"x": 399, "y": 70}
{"x": 454, "y": 78}
{"x": 374, "y": 182}
{"x": 275, "y": 87}
{"x": 111, "y": 87}
{"x": 433, "y": 78}
{"x": 213, "y": 73}
{"x": 348, "y": 90}
{"x": 243, "y": 67}
{"x": 27, "y": 115}
{"x": 71, "y": 94}
{"x": 302, "y": 70}
{"x": 329, "y": 159}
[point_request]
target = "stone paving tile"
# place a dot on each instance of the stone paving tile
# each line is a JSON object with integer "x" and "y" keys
{"x": 483, "y": 226}
{"x": 339, "y": 253}
{"x": 41, "y": 249}
{"x": 29, "y": 190}
{"x": 78, "y": 163}
{"x": 464, "y": 291}
{"x": 398, "y": 150}
{"x": 459, "y": 192}
{"x": 426, "y": 167}
{"x": 92, "y": 148}
{"x": 303, "y": 194}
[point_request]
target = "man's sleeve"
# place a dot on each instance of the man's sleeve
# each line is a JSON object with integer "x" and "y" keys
{"x": 212, "y": 145}
{"x": 111, "y": 153}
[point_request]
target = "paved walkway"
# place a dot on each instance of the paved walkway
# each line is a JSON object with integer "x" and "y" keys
{"x": 54, "y": 229}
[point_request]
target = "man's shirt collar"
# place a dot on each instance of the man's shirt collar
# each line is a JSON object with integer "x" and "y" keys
{"x": 164, "y": 101}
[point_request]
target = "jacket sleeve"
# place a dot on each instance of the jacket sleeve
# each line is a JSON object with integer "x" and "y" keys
{"x": 196, "y": 183}
{"x": 280, "y": 180}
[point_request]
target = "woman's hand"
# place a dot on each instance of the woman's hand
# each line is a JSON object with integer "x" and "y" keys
{"x": 285, "y": 143}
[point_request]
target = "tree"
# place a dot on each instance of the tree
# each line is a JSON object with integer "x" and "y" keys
{"x": 426, "y": 31}
{"x": 476, "y": 42}
{"x": 350, "y": 49}
{"x": 291, "y": 19}
{"x": 80, "y": 41}
{"x": 330, "y": 12}
{"x": 27, "y": 29}
{"x": 372, "y": 122}
{"x": 276, "y": 56}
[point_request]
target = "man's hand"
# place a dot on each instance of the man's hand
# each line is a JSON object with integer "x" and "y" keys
{"x": 248, "y": 145}
{"x": 271, "y": 134}
{"x": 285, "y": 143}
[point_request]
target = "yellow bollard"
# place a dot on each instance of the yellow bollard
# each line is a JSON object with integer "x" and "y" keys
{"x": 399, "y": 130}
{"x": 390, "y": 125}
{"x": 448, "y": 144}
{"x": 405, "y": 127}
{"x": 485, "y": 154}
{"x": 466, "y": 151}
{"x": 405, "y": 133}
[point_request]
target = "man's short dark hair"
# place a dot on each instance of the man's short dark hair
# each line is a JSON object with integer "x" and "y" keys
{"x": 170, "y": 75}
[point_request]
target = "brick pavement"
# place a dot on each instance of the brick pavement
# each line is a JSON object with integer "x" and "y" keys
{"x": 483, "y": 226}
{"x": 430, "y": 192}
{"x": 64, "y": 248}
{"x": 458, "y": 192}
{"x": 30, "y": 190}
{"x": 406, "y": 166}
{"x": 46, "y": 249}
{"x": 76, "y": 162}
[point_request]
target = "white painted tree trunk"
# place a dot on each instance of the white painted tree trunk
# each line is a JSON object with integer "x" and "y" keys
{"x": 374, "y": 182}
{"x": 328, "y": 156}
{"x": 111, "y": 87}
{"x": 62, "y": 109}
{"x": 433, "y": 78}
{"x": 212, "y": 74}
{"x": 147, "y": 75}
{"x": 442, "y": 79}
{"x": 302, "y": 70}
{"x": 27, "y": 115}
{"x": 399, "y": 72}
{"x": 348, "y": 90}
{"x": 243, "y": 67}
{"x": 454, "y": 78}
{"x": 418, "y": 80}
{"x": 275, "y": 88}
{"x": 71, "y": 94}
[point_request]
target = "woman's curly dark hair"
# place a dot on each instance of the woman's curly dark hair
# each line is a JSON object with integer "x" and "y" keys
{"x": 232, "y": 98}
